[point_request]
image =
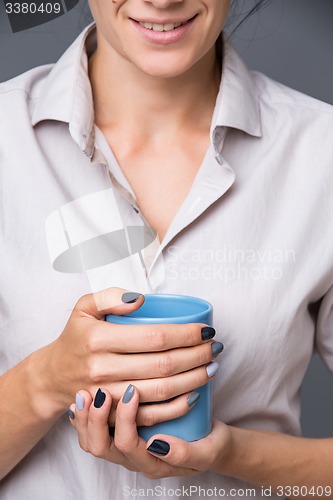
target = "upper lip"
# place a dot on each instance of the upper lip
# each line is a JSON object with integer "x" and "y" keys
{"x": 162, "y": 21}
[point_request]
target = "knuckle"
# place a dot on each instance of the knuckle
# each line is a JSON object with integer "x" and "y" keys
{"x": 200, "y": 378}
{"x": 157, "y": 339}
{"x": 163, "y": 391}
{"x": 149, "y": 417}
{"x": 123, "y": 446}
{"x": 97, "y": 451}
{"x": 94, "y": 419}
{"x": 92, "y": 342}
{"x": 82, "y": 301}
{"x": 204, "y": 354}
{"x": 166, "y": 365}
{"x": 93, "y": 371}
{"x": 190, "y": 334}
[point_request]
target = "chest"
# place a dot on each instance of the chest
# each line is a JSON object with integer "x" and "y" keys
{"x": 161, "y": 177}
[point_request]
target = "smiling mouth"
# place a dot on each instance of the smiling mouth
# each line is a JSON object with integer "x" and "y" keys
{"x": 163, "y": 27}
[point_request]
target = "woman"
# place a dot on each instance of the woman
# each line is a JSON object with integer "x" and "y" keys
{"x": 219, "y": 162}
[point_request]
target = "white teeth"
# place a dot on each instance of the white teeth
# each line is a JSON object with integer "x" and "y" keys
{"x": 168, "y": 27}
{"x": 160, "y": 27}
{"x": 147, "y": 25}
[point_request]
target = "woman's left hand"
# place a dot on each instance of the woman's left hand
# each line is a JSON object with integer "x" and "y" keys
{"x": 162, "y": 456}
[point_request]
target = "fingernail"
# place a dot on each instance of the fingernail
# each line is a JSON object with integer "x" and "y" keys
{"x": 159, "y": 447}
{"x": 192, "y": 399}
{"x": 130, "y": 297}
{"x": 99, "y": 399}
{"x": 71, "y": 414}
{"x": 212, "y": 368}
{"x": 207, "y": 332}
{"x": 79, "y": 401}
{"x": 217, "y": 348}
{"x": 128, "y": 394}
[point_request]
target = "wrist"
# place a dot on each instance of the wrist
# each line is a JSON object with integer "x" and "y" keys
{"x": 43, "y": 394}
{"x": 230, "y": 454}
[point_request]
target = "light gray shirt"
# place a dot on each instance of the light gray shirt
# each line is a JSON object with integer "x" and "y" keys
{"x": 253, "y": 237}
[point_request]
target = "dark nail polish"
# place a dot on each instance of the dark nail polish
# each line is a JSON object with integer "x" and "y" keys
{"x": 99, "y": 399}
{"x": 192, "y": 399}
{"x": 130, "y": 297}
{"x": 160, "y": 447}
{"x": 207, "y": 333}
{"x": 71, "y": 414}
{"x": 128, "y": 394}
{"x": 217, "y": 348}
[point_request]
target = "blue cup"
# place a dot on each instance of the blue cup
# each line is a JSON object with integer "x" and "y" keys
{"x": 163, "y": 308}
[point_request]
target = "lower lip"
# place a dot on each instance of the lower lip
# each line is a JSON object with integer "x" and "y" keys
{"x": 164, "y": 37}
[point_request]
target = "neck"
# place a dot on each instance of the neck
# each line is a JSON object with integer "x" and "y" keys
{"x": 124, "y": 96}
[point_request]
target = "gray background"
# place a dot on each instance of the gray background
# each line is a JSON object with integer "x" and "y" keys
{"x": 291, "y": 40}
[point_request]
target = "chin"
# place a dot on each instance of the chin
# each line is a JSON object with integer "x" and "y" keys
{"x": 164, "y": 68}
{"x": 163, "y": 73}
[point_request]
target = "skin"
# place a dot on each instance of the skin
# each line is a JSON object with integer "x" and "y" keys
{"x": 90, "y": 352}
{"x": 175, "y": 86}
{"x": 263, "y": 458}
{"x": 45, "y": 383}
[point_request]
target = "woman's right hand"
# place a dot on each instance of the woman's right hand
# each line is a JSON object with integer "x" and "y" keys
{"x": 163, "y": 361}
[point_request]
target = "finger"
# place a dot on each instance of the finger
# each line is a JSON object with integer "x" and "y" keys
{"x": 126, "y": 438}
{"x": 128, "y": 442}
{"x": 166, "y": 388}
{"x": 198, "y": 455}
{"x": 115, "y": 338}
{"x": 98, "y": 437}
{"x": 92, "y": 427}
{"x": 133, "y": 447}
{"x": 155, "y": 365}
{"x": 151, "y": 414}
{"x": 83, "y": 401}
{"x": 111, "y": 300}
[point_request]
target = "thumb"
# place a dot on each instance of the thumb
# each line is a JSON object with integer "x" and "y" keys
{"x": 109, "y": 301}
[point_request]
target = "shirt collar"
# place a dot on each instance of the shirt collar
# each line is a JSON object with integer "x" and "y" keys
{"x": 237, "y": 104}
{"x": 67, "y": 95}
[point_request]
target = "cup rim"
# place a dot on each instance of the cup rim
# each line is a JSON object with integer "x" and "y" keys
{"x": 187, "y": 318}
